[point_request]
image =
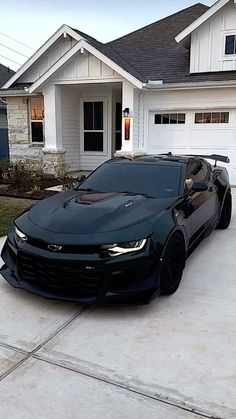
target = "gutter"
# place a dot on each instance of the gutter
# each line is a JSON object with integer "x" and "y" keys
{"x": 158, "y": 85}
{"x": 6, "y": 93}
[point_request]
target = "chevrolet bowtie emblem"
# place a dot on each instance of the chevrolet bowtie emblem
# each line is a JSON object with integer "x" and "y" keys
{"x": 54, "y": 247}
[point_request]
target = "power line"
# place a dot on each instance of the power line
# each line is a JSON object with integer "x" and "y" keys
{"x": 9, "y": 59}
{"x": 13, "y": 39}
{"x": 11, "y": 49}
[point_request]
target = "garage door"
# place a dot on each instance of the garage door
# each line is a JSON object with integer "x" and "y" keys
{"x": 195, "y": 132}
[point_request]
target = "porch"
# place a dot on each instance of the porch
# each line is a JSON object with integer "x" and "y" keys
{"x": 85, "y": 124}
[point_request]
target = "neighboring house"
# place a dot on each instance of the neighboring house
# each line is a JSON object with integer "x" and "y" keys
{"x": 176, "y": 78}
{"x": 5, "y": 74}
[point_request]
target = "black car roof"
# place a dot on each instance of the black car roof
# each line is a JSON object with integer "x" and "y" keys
{"x": 166, "y": 159}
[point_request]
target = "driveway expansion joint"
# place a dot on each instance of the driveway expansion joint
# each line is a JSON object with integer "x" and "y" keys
{"x": 31, "y": 354}
{"x": 129, "y": 388}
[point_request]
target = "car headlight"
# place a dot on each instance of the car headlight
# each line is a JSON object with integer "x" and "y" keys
{"x": 20, "y": 235}
{"x": 126, "y": 247}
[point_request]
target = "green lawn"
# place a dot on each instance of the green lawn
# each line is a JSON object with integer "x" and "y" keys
{"x": 9, "y": 209}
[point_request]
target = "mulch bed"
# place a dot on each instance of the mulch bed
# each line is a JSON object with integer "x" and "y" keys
{"x": 11, "y": 191}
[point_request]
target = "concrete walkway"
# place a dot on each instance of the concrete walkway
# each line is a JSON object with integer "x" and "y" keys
{"x": 164, "y": 361}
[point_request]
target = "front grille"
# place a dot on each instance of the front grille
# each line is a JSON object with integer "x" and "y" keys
{"x": 60, "y": 275}
{"x": 72, "y": 249}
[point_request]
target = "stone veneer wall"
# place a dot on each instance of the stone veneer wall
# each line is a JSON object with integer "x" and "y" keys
{"x": 18, "y": 120}
{"x": 20, "y": 146}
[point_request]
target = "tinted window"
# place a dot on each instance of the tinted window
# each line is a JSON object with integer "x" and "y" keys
{"x": 157, "y": 181}
{"x": 230, "y": 45}
{"x": 36, "y": 132}
{"x": 197, "y": 171}
{"x": 172, "y": 118}
{"x": 212, "y": 118}
{"x": 93, "y": 141}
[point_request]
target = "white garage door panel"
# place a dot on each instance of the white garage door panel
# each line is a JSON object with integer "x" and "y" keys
{"x": 192, "y": 138}
{"x": 168, "y": 149}
{"x": 174, "y": 138}
{"x": 211, "y": 137}
{"x": 233, "y": 155}
{"x": 226, "y": 151}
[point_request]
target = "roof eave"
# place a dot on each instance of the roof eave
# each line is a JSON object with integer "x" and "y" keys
{"x": 64, "y": 28}
{"x": 191, "y": 85}
{"x": 203, "y": 18}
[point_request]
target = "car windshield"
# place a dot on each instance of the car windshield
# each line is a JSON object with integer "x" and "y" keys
{"x": 157, "y": 181}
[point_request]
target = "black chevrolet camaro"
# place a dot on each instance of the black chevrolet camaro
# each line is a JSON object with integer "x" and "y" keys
{"x": 123, "y": 234}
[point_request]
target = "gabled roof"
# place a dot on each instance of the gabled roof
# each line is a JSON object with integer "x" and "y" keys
{"x": 153, "y": 50}
{"x": 37, "y": 55}
{"x": 150, "y": 53}
{"x": 5, "y": 74}
{"x": 110, "y": 57}
{"x": 194, "y": 25}
{"x": 111, "y": 53}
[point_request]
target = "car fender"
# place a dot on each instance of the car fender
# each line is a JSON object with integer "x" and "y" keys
{"x": 164, "y": 226}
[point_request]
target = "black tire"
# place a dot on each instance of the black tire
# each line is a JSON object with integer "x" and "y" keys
{"x": 226, "y": 212}
{"x": 173, "y": 263}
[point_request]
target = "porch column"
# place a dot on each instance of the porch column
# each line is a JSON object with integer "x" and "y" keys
{"x": 128, "y": 102}
{"x": 52, "y": 117}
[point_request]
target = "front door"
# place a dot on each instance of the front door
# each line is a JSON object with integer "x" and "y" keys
{"x": 94, "y": 136}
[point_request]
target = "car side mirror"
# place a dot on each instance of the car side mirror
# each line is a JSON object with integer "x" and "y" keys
{"x": 81, "y": 178}
{"x": 199, "y": 187}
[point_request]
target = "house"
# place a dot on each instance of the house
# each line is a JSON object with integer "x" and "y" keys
{"x": 170, "y": 86}
{"x": 5, "y": 74}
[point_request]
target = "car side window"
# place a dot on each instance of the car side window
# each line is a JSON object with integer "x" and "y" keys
{"x": 197, "y": 171}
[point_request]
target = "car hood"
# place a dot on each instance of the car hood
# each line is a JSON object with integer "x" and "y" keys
{"x": 80, "y": 212}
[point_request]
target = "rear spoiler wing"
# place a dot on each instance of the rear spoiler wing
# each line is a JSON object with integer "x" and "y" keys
{"x": 216, "y": 157}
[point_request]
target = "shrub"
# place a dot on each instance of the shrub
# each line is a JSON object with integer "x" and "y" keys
{"x": 4, "y": 165}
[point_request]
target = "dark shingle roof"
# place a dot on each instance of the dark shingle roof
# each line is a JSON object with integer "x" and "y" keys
{"x": 112, "y": 54}
{"x": 5, "y": 74}
{"x": 151, "y": 53}
{"x": 153, "y": 50}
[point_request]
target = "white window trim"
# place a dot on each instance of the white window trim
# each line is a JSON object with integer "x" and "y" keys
{"x": 221, "y": 124}
{"x": 35, "y": 120}
{"x": 229, "y": 56}
{"x": 105, "y": 126}
{"x": 171, "y": 113}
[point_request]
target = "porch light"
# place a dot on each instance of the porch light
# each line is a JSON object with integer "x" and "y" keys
{"x": 126, "y": 112}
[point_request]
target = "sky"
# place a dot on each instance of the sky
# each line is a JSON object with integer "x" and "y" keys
{"x": 32, "y": 22}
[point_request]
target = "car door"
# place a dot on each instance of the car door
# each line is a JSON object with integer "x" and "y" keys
{"x": 200, "y": 207}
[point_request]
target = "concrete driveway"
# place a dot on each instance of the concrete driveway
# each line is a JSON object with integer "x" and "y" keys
{"x": 173, "y": 359}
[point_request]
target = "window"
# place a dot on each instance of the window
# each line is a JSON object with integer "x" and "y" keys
{"x": 135, "y": 178}
{"x": 36, "y": 119}
{"x": 212, "y": 118}
{"x": 197, "y": 171}
{"x": 230, "y": 44}
{"x": 93, "y": 126}
{"x": 169, "y": 118}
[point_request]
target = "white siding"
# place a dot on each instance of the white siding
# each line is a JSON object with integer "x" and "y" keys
{"x": 138, "y": 120}
{"x": 70, "y": 126}
{"x": 85, "y": 66}
{"x": 208, "y": 42}
{"x": 46, "y": 61}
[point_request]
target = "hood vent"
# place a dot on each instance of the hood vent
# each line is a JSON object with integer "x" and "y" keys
{"x": 92, "y": 197}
